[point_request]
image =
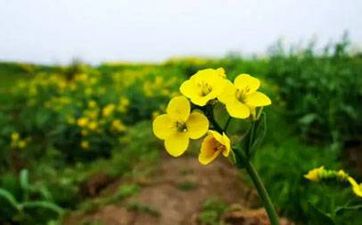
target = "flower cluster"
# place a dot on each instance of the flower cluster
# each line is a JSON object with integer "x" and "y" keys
{"x": 320, "y": 174}
{"x": 17, "y": 142}
{"x": 190, "y": 116}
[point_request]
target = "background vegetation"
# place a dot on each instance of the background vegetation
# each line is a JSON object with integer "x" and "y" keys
{"x": 61, "y": 124}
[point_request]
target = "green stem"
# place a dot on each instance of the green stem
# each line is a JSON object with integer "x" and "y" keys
{"x": 268, "y": 205}
{"x": 209, "y": 112}
{"x": 227, "y": 124}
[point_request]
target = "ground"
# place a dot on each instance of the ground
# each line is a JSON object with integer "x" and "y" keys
{"x": 174, "y": 194}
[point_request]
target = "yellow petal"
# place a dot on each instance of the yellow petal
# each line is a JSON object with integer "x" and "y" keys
{"x": 207, "y": 153}
{"x": 201, "y": 101}
{"x": 221, "y": 72}
{"x": 188, "y": 89}
{"x": 227, "y": 144}
{"x": 357, "y": 189}
{"x": 257, "y": 99}
{"x": 247, "y": 83}
{"x": 163, "y": 126}
{"x": 228, "y": 93}
{"x": 217, "y": 136}
{"x": 177, "y": 143}
{"x": 314, "y": 174}
{"x": 237, "y": 109}
{"x": 222, "y": 139}
{"x": 197, "y": 125}
{"x": 179, "y": 108}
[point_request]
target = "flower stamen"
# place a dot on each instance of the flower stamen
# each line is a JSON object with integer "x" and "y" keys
{"x": 181, "y": 126}
{"x": 205, "y": 88}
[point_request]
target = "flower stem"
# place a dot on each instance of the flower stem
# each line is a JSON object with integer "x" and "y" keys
{"x": 268, "y": 205}
{"x": 209, "y": 112}
{"x": 227, "y": 124}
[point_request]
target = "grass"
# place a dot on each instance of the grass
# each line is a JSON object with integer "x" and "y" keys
{"x": 187, "y": 185}
{"x": 212, "y": 210}
{"x": 140, "y": 207}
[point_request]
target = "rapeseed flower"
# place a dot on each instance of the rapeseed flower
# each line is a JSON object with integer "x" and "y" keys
{"x": 82, "y": 122}
{"x": 84, "y": 145}
{"x": 22, "y": 144}
{"x": 241, "y": 97}
{"x": 118, "y": 126}
{"x": 15, "y": 136}
{"x": 357, "y": 188}
{"x": 214, "y": 144}
{"x": 93, "y": 125}
{"x": 108, "y": 110}
{"x": 178, "y": 125}
{"x": 204, "y": 86}
{"x": 123, "y": 104}
{"x": 92, "y": 104}
{"x": 315, "y": 174}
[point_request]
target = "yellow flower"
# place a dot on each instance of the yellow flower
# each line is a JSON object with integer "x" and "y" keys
{"x": 70, "y": 120}
{"x": 214, "y": 144}
{"x": 315, "y": 174}
{"x": 22, "y": 144}
{"x": 357, "y": 188}
{"x": 15, "y": 136}
{"x": 117, "y": 125}
{"x": 242, "y": 97}
{"x": 203, "y": 86}
{"x": 92, "y": 104}
{"x": 123, "y": 104}
{"x": 178, "y": 125}
{"x": 82, "y": 122}
{"x": 84, "y": 132}
{"x": 108, "y": 110}
{"x": 342, "y": 175}
{"x": 84, "y": 145}
{"x": 93, "y": 125}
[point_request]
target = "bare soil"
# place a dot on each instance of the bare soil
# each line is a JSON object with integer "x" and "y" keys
{"x": 174, "y": 193}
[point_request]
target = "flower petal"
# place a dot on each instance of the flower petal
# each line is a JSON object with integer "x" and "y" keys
{"x": 218, "y": 137}
{"x": 357, "y": 189}
{"x": 257, "y": 99}
{"x": 221, "y": 72}
{"x": 237, "y": 109}
{"x": 222, "y": 139}
{"x": 163, "y": 126}
{"x": 179, "y": 108}
{"x": 197, "y": 125}
{"x": 177, "y": 143}
{"x": 227, "y": 144}
{"x": 188, "y": 89}
{"x": 207, "y": 153}
{"x": 247, "y": 83}
{"x": 201, "y": 100}
{"x": 228, "y": 93}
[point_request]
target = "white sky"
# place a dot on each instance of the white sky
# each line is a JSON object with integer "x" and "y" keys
{"x": 56, "y": 31}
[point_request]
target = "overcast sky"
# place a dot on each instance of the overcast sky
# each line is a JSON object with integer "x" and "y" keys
{"x": 56, "y": 31}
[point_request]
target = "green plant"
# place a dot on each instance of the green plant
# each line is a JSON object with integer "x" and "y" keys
{"x": 212, "y": 210}
{"x": 33, "y": 204}
{"x": 321, "y": 91}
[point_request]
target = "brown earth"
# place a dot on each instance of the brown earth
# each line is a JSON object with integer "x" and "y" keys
{"x": 174, "y": 193}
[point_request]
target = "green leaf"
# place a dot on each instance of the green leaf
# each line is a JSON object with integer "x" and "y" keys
{"x": 318, "y": 215}
{"x": 255, "y": 136}
{"x": 9, "y": 197}
{"x": 24, "y": 182}
{"x": 308, "y": 119}
{"x": 43, "y": 204}
{"x": 348, "y": 207}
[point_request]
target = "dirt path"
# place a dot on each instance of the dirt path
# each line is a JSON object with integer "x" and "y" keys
{"x": 174, "y": 195}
